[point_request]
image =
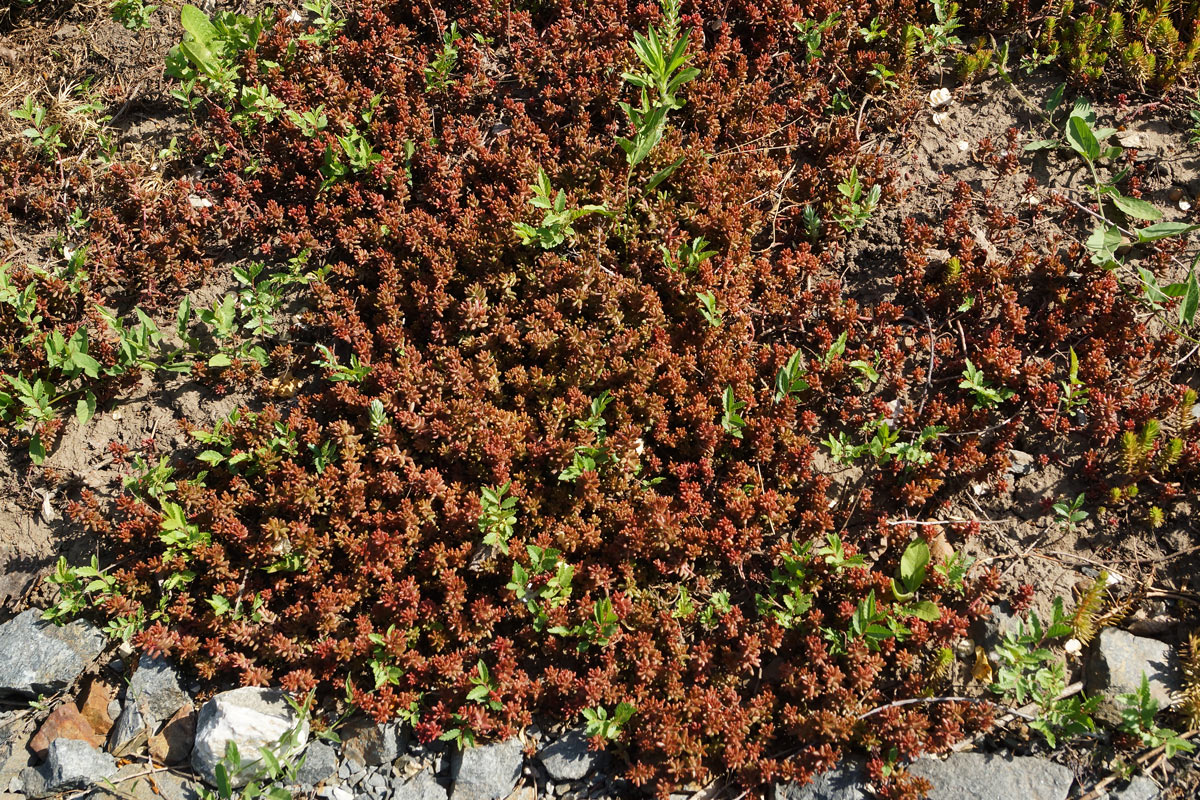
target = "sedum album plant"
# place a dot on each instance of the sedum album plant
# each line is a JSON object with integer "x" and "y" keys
{"x": 620, "y": 470}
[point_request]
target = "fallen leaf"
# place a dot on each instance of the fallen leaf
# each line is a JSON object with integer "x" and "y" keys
{"x": 982, "y": 671}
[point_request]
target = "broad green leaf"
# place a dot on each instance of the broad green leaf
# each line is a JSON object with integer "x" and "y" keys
{"x": 1083, "y": 108}
{"x": 37, "y": 450}
{"x": 926, "y": 610}
{"x": 199, "y": 55}
{"x": 1151, "y": 289}
{"x": 85, "y": 408}
{"x": 1187, "y": 312}
{"x": 1081, "y": 138}
{"x": 1042, "y": 144}
{"x": 1164, "y": 230}
{"x": 1138, "y": 209}
{"x": 913, "y": 563}
{"x": 220, "y": 360}
{"x": 197, "y": 23}
{"x": 1055, "y": 98}
{"x": 1102, "y": 243}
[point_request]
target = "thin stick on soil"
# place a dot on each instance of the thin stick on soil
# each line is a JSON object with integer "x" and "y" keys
{"x": 940, "y": 522}
{"x": 1097, "y": 791}
{"x": 947, "y": 699}
{"x": 1023, "y": 711}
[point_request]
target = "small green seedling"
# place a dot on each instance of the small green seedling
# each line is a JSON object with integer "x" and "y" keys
{"x": 557, "y": 219}
{"x": 858, "y": 206}
{"x": 1137, "y": 719}
{"x": 731, "y": 420}
{"x": 599, "y": 723}
{"x": 708, "y": 308}
{"x": 437, "y": 74}
{"x": 986, "y": 395}
{"x": 1070, "y": 514}
{"x": 497, "y": 517}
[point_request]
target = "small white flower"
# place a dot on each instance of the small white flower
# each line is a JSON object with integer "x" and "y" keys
{"x": 939, "y": 98}
{"x": 199, "y": 202}
{"x": 1114, "y": 579}
{"x": 638, "y": 446}
{"x": 1184, "y": 205}
{"x": 1073, "y": 647}
{"x": 962, "y": 145}
{"x": 939, "y": 117}
{"x": 294, "y": 17}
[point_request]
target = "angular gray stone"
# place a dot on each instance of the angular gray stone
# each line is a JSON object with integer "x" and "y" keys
{"x": 70, "y": 764}
{"x": 152, "y": 697}
{"x": 1140, "y": 788}
{"x": 422, "y": 786}
{"x": 988, "y": 631}
{"x": 38, "y": 657}
{"x": 14, "y": 755}
{"x": 32, "y": 781}
{"x": 1118, "y": 660}
{"x": 843, "y": 782}
{"x": 320, "y": 763}
{"x": 568, "y": 758}
{"x": 129, "y": 783}
{"x": 487, "y": 772}
{"x": 372, "y": 745}
{"x": 155, "y": 689}
{"x": 252, "y": 718}
{"x": 128, "y": 731}
{"x": 1020, "y": 462}
{"x": 980, "y": 776}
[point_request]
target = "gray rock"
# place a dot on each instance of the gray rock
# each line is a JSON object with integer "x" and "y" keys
{"x": 252, "y": 718}
{"x": 843, "y": 782}
{"x": 1020, "y": 462}
{"x": 38, "y": 657}
{"x": 320, "y": 763}
{"x": 343, "y": 770}
{"x": 128, "y": 732}
{"x": 155, "y": 689}
{"x": 14, "y": 755}
{"x": 988, "y": 631}
{"x": 1118, "y": 660}
{"x": 336, "y": 793}
{"x": 114, "y": 708}
{"x": 568, "y": 758}
{"x": 372, "y": 745}
{"x": 979, "y": 776}
{"x": 33, "y": 782}
{"x": 130, "y": 783}
{"x": 422, "y": 786}
{"x": 177, "y": 787}
{"x": 488, "y": 772}
{"x": 70, "y": 764}
{"x": 1140, "y": 788}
